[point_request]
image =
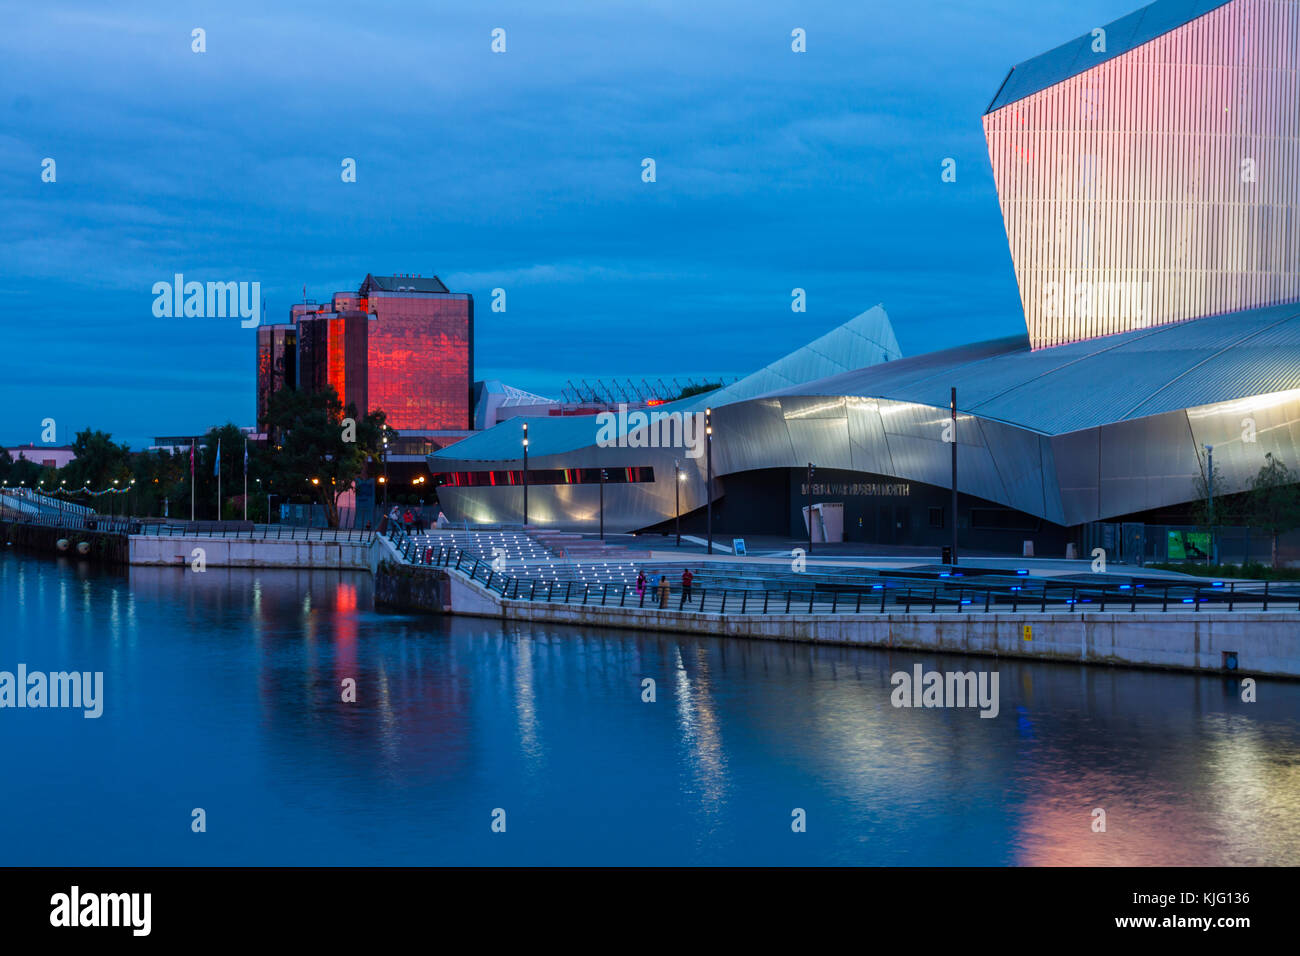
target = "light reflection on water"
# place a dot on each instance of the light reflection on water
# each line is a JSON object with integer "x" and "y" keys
{"x": 224, "y": 691}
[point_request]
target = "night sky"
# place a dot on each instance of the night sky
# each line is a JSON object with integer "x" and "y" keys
{"x": 520, "y": 170}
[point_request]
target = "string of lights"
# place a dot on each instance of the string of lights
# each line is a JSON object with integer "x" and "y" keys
{"x": 62, "y": 489}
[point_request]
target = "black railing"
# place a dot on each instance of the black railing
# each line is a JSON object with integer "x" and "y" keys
{"x": 97, "y": 522}
{"x": 889, "y": 595}
{"x": 267, "y": 532}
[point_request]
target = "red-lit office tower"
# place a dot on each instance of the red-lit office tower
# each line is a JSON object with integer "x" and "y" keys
{"x": 332, "y": 351}
{"x": 404, "y": 344}
{"x": 420, "y": 352}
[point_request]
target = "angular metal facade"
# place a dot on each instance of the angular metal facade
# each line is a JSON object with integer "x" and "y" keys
{"x": 1159, "y": 185}
{"x": 1151, "y": 194}
{"x": 1083, "y": 432}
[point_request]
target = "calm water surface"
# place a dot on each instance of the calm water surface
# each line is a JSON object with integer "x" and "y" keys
{"x": 223, "y": 691}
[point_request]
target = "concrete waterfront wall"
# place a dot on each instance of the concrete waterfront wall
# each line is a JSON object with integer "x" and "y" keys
{"x": 405, "y": 588}
{"x": 1266, "y": 643}
{"x": 103, "y": 546}
{"x": 246, "y": 553}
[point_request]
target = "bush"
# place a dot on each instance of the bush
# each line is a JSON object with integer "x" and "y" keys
{"x": 1253, "y": 570}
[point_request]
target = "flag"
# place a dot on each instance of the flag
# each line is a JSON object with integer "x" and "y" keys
{"x": 245, "y": 456}
{"x": 216, "y": 470}
{"x": 191, "y": 457}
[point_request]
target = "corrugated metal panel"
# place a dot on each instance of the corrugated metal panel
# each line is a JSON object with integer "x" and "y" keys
{"x": 1074, "y": 57}
{"x": 1085, "y": 384}
{"x": 1161, "y": 185}
{"x": 864, "y": 340}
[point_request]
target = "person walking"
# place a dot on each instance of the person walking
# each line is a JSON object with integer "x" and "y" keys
{"x": 640, "y": 586}
{"x": 408, "y": 521}
{"x": 664, "y": 590}
{"x": 687, "y": 578}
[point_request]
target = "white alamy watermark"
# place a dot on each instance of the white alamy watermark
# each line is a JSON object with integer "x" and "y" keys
{"x": 1082, "y": 299}
{"x": 212, "y": 300}
{"x": 80, "y": 689}
{"x": 76, "y": 908}
{"x": 640, "y": 429}
{"x": 954, "y": 689}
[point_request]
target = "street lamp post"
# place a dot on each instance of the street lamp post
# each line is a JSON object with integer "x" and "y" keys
{"x": 812, "y": 470}
{"x": 1209, "y": 485}
{"x": 677, "y": 498}
{"x": 708, "y": 481}
{"x": 954, "y": 474}
{"x": 385, "y": 481}
{"x": 525, "y": 474}
{"x": 602, "y": 504}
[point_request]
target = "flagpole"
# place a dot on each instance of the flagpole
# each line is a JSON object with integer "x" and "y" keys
{"x": 192, "y": 479}
{"x": 218, "y": 479}
{"x": 245, "y": 479}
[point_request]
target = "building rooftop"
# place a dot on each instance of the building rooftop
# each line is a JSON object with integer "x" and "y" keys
{"x": 400, "y": 283}
{"x": 863, "y": 340}
{"x": 1077, "y": 56}
{"x": 1098, "y": 381}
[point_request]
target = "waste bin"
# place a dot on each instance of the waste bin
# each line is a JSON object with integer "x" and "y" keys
{"x": 947, "y": 554}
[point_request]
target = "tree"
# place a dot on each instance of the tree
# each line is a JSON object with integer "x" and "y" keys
{"x": 98, "y": 462}
{"x": 1209, "y": 513}
{"x": 159, "y": 475}
{"x": 1213, "y": 507}
{"x": 1274, "y": 501}
{"x": 691, "y": 390}
{"x": 322, "y": 446}
{"x": 230, "y": 440}
{"x": 22, "y": 472}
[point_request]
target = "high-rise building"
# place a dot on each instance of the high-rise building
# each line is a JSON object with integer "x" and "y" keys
{"x": 403, "y": 344}
{"x": 332, "y": 351}
{"x": 421, "y": 352}
{"x": 1147, "y": 170}
{"x": 277, "y": 363}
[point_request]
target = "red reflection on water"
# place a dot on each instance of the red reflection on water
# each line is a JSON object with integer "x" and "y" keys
{"x": 345, "y": 630}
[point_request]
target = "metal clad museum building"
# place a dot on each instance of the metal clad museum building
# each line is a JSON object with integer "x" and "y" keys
{"x": 1161, "y": 289}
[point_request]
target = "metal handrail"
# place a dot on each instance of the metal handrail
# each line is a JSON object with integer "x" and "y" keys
{"x": 895, "y": 595}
